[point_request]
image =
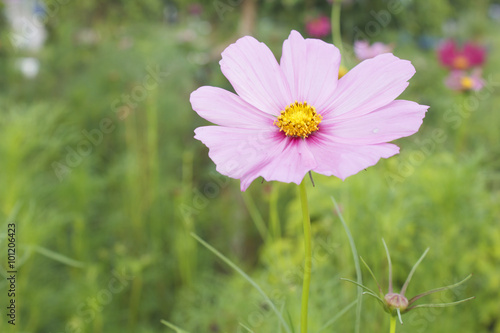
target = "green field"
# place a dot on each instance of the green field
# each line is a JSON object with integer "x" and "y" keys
{"x": 101, "y": 175}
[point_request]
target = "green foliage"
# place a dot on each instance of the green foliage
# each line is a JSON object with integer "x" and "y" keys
{"x": 105, "y": 188}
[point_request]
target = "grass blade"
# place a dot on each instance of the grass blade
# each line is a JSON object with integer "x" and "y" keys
{"x": 58, "y": 257}
{"x": 255, "y": 215}
{"x": 337, "y": 316}
{"x": 246, "y": 277}
{"x": 357, "y": 266}
{"x": 248, "y": 329}
{"x": 403, "y": 290}
{"x": 172, "y": 326}
{"x": 290, "y": 320}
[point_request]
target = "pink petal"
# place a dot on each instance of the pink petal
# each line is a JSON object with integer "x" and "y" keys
{"x": 452, "y": 81}
{"x": 369, "y": 86}
{"x": 447, "y": 52}
{"x": 311, "y": 67}
{"x": 479, "y": 83}
{"x": 343, "y": 160}
{"x": 289, "y": 164}
{"x": 395, "y": 120}
{"x": 255, "y": 75}
{"x": 235, "y": 150}
{"x": 224, "y": 108}
{"x": 475, "y": 54}
{"x": 247, "y": 154}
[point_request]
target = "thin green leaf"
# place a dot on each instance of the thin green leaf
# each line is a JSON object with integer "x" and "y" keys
{"x": 373, "y": 276}
{"x": 248, "y": 329}
{"x": 274, "y": 220}
{"x": 374, "y": 296}
{"x": 414, "y": 268}
{"x": 399, "y": 316}
{"x": 359, "y": 285}
{"x": 172, "y": 326}
{"x": 245, "y": 276}
{"x": 451, "y": 286}
{"x": 440, "y": 305}
{"x": 58, "y": 257}
{"x": 279, "y": 324}
{"x": 390, "y": 265}
{"x": 337, "y": 316}
{"x": 357, "y": 266}
{"x": 255, "y": 215}
{"x": 290, "y": 320}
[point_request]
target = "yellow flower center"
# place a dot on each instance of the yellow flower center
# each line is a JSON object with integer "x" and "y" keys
{"x": 461, "y": 62}
{"x": 466, "y": 83}
{"x": 298, "y": 119}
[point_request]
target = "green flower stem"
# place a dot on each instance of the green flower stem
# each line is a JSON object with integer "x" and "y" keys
{"x": 308, "y": 256}
{"x": 393, "y": 324}
{"x": 335, "y": 20}
{"x": 460, "y": 137}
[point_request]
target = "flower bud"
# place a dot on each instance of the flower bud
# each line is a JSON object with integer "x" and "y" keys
{"x": 395, "y": 301}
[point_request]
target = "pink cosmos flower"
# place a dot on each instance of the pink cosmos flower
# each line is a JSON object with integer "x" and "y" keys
{"x": 363, "y": 50}
{"x": 463, "y": 81}
{"x": 470, "y": 55}
{"x": 319, "y": 27}
{"x": 296, "y": 116}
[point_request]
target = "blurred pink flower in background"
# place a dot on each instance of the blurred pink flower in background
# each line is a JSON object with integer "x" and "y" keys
{"x": 195, "y": 9}
{"x": 451, "y": 56}
{"x": 319, "y": 27}
{"x": 344, "y": 2}
{"x": 363, "y": 50}
{"x": 463, "y": 81}
{"x": 296, "y": 116}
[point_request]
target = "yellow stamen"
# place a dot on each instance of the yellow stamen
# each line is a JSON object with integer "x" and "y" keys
{"x": 461, "y": 62}
{"x": 298, "y": 120}
{"x": 466, "y": 83}
{"x": 342, "y": 71}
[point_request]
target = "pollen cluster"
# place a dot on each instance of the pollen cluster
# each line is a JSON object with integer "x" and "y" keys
{"x": 298, "y": 120}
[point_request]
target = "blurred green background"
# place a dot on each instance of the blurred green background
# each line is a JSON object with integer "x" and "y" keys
{"x": 104, "y": 181}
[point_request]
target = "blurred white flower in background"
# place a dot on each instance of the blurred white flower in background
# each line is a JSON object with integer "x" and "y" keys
{"x": 28, "y": 33}
{"x": 29, "y": 66}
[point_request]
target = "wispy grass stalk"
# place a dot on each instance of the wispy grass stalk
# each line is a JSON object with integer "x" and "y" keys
{"x": 246, "y": 277}
{"x": 255, "y": 215}
{"x": 357, "y": 266}
{"x": 273, "y": 211}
